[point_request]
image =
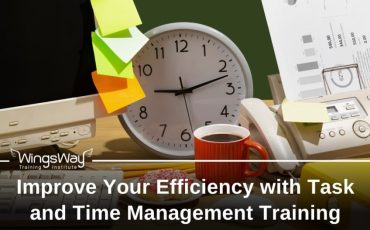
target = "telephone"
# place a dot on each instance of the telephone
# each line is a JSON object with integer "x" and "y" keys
{"x": 347, "y": 135}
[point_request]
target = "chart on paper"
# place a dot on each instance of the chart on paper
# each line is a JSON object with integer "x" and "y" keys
{"x": 322, "y": 47}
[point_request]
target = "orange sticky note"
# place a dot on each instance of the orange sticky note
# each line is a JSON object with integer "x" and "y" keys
{"x": 117, "y": 93}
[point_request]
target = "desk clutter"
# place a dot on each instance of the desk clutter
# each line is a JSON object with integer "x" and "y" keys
{"x": 187, "y": 93}
{"x": 195, "y": 78}
{"x": 322, "y": 115}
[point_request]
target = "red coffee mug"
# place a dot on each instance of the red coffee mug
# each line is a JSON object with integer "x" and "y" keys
{"x": 237, "y": 149}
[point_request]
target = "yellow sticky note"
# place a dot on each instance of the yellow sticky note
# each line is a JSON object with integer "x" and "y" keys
{"x": 304, "y": 112}
{"x": 107, "y": 62}
{"x": 117, "y": 93}
{"x": 115, "y": 15}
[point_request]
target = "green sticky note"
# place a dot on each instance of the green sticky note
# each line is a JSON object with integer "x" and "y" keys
{"x": 120, "y": 34}
{"x": 115, "y": 15}
{"x": 107, "y": 63}
{"x": 123, "y": 47}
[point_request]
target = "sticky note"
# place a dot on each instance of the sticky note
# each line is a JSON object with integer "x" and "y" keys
{"x": 125, "y": 48}
{"x": 304, "y": 112}
{"x": 117, "y": 93}
{"x": 120, "y": 34}
{"x": 115, "y": 15}
{"x": 107, "y": 62}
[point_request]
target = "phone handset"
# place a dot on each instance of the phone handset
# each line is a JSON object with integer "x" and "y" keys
{"x": 255, "y": 111}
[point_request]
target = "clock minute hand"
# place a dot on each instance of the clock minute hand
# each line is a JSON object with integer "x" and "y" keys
{"x": 190, "y": 90}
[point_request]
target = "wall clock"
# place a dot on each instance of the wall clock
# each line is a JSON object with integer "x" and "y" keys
{"x": 193, "y": 76}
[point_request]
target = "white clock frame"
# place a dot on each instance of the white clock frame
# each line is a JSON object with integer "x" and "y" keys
{"x": 213, "y": 33}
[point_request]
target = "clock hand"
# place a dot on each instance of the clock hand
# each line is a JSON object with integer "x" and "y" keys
{"x": 190, "y": 90}
{"x": 178, "y": 92}
{"x": 168, "y": 91}
{"x": 186, "y": 105}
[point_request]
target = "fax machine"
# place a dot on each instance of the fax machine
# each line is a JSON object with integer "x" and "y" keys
{"x": 346, "y": 136}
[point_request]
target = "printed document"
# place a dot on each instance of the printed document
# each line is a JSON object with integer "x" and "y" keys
{"x": 322, "y": 46}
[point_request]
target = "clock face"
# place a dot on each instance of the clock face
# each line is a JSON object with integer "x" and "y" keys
{"x": 191, "y": 79}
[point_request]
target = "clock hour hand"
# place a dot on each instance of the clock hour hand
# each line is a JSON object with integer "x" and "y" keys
{"x": 190, "y": 90}
{"x": 178, "y": 92}
{"x": 168, "y": 91}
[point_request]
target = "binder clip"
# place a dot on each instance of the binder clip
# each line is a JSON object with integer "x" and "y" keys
{"x": 340, "y": 79}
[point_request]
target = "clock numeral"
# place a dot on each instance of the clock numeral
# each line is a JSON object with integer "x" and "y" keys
{"x": 143, "y": 113}
{"x": 185, "y": 135}
{"x": 184, "y": 48}
{"x": 164, "y": 129}
{"x": 159, "y": 53}
{"x": 204, "y": 50}
{"x": 224, "y": 65}
{"x": 232, "y": 89}
{"x": 207, "y": 123}
{"x": 145, "y": 70}
{"x": 224, "y": 111}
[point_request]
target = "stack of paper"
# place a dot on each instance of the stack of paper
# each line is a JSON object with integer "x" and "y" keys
{"x": 115, "y": 42}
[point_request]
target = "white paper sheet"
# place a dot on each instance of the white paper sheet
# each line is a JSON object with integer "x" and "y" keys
{"x": 311, "y": 37}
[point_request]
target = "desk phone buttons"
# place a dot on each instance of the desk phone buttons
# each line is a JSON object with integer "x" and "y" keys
{"x": 361, "y": 129}
{"x": 5, "y": 144}
{"x": 345, "y": 116}
{"x": 342, "y": 132}
{"x": 22, "y": 141}
{"x": 335, "y": 118}
{"x": 350, "y": 107}
{"x": 63, "y": 134}
{"x": 54, "y": 132}
{"x": 13, "y": 123}
{"x": 84, "y": 130}
{"x": 46, "y": 137}
{"x": 55, "y": 140}
{"x": 332, "y": 134}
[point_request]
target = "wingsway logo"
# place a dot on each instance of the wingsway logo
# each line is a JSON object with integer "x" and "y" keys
{"x": 59, "y": 161}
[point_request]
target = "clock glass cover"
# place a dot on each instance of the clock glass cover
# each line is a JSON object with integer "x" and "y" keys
{"x": 192, "y": 76}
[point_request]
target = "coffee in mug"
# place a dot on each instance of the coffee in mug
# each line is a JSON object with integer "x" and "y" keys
{"x": 226, "y": 142}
